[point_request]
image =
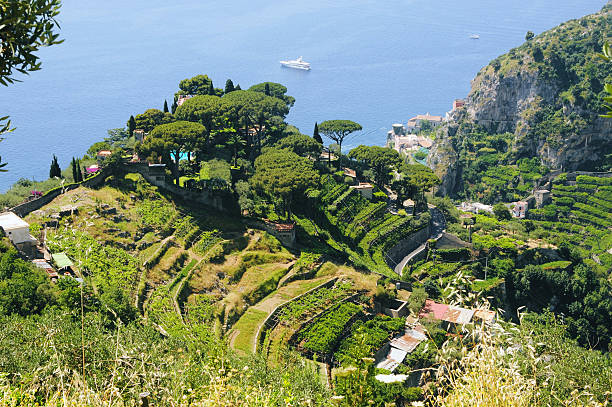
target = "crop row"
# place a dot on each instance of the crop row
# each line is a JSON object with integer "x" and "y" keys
{"x": 594, "y": 211}
{"x": 588, "y": 218}
{"x": 586, "y": 179}
{"x": 321, "y": 336}
{"x": 604, "y": 194}
{"x": 155, "y": 213}
{"x": 333, "y": 207}
{"x": 374, "y": 333}
{"x": 363, "y": 218}
{"x": 207, "y": 240}
{"x": 578, "y": 196}
{"x": 312, "y": 303}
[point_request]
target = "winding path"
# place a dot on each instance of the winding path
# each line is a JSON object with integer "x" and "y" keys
{"x": 438, "y": 227}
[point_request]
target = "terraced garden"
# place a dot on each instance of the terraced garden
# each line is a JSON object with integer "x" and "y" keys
{"x": 362, "y": 230}
{"x": 581, "y": 214}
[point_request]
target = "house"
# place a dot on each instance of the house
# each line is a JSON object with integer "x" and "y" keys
{"x": 285, "y": 232}
{"x": 181, "y": 99}
{"x": 365, "y": 189}
{"x": 402, "y": 138}
{"x": 475, "y": 207}
{"x": 446, "y": 313}
{"x": 92, "y": 169}
{"x": 519, "y": 209}
{"x": 415, "y": 123}
{"x": 139, "y": 135}
{"x": 43, "y": 264}
{"x": 390, "y": 356}
{"x": 409, "y": 206}
{"x": 348, "y": 172}
{"x": 103, "y": 155}
{"x": 425, "y": 142}
{"x": 542, "y": 197}
{"x": 16, "y": 229}
{"x": 457, "y": 104}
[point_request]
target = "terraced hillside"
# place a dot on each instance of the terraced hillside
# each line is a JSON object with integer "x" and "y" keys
{"x": 581, "y": 214}
{"x": 351, "y": 224}
{"x": 171, "y": 258}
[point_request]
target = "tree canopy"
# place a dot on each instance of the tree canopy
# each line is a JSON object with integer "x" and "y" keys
{"x": 301, "y": 144}
{"x": 255, "y": 110}
{"x": 171, "y": 139}
{"x": 211, "y": 111}
{"x": 275, "y": 90}
{"x": 381, "y": 160}
{"x": 26, "y": 27}
{"x": 338, "y": 130}
{"x": 198, "y": 85}
{"x": 283, "y": 174}
{"x": 421, "y": 178}
{"x": 151, "y": 118}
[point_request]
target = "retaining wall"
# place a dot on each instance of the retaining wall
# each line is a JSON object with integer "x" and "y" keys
{"x": 407, "y": 245}
{"x": 35, "y": 204}
{"x": 203, "y": 197}
{"x": 270, "y": 322}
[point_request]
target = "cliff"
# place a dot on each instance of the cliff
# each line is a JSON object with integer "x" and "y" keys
{"x": 545, "y": 96}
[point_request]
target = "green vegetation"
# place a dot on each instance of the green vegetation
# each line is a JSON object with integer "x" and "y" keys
{"x": 366, "y": 338}
{"x": 166, "y": 290}
{"x": 320, "y": 337}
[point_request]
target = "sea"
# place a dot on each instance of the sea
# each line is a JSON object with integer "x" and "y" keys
{"x": 374, "y": 62}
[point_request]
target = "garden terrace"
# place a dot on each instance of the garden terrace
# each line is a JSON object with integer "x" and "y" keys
{"x": 363, "y": 230}
{"x": 322, "y": 335}
{"x": 367, "y": 337}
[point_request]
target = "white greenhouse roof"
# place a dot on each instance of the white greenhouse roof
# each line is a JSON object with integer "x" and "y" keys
{"x": 10, "y": 221}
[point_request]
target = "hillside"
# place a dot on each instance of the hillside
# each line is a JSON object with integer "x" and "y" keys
{"x": 542, "y": 99}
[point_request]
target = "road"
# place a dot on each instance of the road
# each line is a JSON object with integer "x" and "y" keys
{"x": 438, "y": 226}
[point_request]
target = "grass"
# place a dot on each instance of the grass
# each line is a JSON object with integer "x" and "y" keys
{"x": 246, "y": 329}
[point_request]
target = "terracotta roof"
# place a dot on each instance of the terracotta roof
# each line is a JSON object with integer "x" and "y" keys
{"x": 363, "y": 185}
{"x": 281, "y": 227}
{"x": 350, "y": 172}
{"x": 433, "y": 309}
{"x": 428, "y": 117}
{"x": 104, "y": 153}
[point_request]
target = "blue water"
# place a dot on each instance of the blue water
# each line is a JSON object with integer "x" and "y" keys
{"x": 375, "y": 62}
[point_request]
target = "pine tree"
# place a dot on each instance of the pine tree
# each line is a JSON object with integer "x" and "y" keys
{"x": 267, "y": 89}
{"x": 78, "y": 171}
{"x": 174, "y": 106}
{"x": 238, "y": 87}
{"x": 211, "y": 89}
{"x": 55, "y": 170}
{"x": 166, "y": 106}
{"x": 131, "y": 124}
{"x": 73, "y": 164}
{"x": 229, "y": 86}
{"x": 316, "y": 135}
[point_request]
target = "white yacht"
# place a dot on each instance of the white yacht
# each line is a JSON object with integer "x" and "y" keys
{"x": 297, "y": 64}
{"x": 475, "y": 36}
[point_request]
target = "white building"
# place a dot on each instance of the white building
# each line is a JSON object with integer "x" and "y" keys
{"x": 414, "y": 124}
{"x": 15, "y": 228}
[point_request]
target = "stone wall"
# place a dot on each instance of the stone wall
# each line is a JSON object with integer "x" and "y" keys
{"x": 203, "y": 197}
{"x": 271, "y": 321}
{"x": 35, "y": 204}
{"x": 407, "y": 245}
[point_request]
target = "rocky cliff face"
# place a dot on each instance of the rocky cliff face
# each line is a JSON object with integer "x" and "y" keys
{"x": 547, "y": 93}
